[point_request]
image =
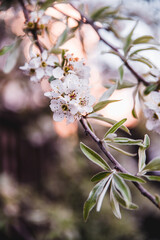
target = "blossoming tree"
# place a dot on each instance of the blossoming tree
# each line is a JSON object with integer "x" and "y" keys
{"x": 68, "y": 89}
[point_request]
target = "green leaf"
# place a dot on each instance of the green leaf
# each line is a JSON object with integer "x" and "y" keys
{"x": 125, "y": 84}
{"x": 101, "y": 197}
{"x": 153, "y": 165}
{"x": 115, "y": 127}
{"x": 142, "y": 153}
{"x": 96, "y": 14}
{"x": 142, "y": 60}
{"x": 51, "y": 79}
{"x": 121, "y": 201}
{"x": 90, "y": 126}
{"x": 92, "y": 198}
{"x": 47, "y": 3}
{"x": 5, "y": 49}
{"x": 152, "y": 177}
{"x": 114, "y": 204}
{"x": 134, "y": 114}
{"x": 122, "y": 187}
{"x": 100, "y": 176}
{"x": 94, "y": 157}
{"x": 128, "y": 40}
{"x": 143, "y": 49}
{"x": 108, "y": 93}
{"x": 143, "y": 39}
{"x": 56, "y": 50}
{"x": 107, "y": 120}
{"x": 150, "y": 88}
{"x": 121, "y": 73}
{"x": 126, "y": 141}
{"x": 131, "y": 177}
{"x": 103, "y": 104}
{"x": 122, "y": 151}
{"x": 64, "y": 37}
{"x": 12, "y": 57}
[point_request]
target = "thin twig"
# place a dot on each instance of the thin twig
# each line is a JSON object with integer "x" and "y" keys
{"x": 116, "y": 164}
{"x": 33, "y": 31}
{"x": 86, "y": 20}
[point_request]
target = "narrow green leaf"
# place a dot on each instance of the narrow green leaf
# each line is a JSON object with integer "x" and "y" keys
{"x": 121, "y": 201}
{"x": 121, "y": 73}
{"x": 142, "y": 60}
{"x": 146, "y": 141}
{"x": 128, "y": 40}
{"x": 134, "y": 114}
{"x": 125, "y": 84}
{"x": 103, "y": 104}
{"x": 114, "y": 204}
{"x": 122, "y": 151}
{"x": 90, "y": 126}
{"x": 96, "y": 14}
{"x": 127, "y": 141}
{"x": 150, "y": 88}
{"x": 64, "y": 37}
{"x": 108, "y": 93}
{"x": 153, "y": 165}
{"x": 107, "y": 120}
{"x": 101, "y": 197}
{"x": 143, "y": 49}
{"x": 157, "y": 198}
{"x": 122, "y": 187}
{"x": 100, "y": 176}
{"x": 115, "y": 127}
{"x": 92, "y": 198}
{"x": 143, "y": 39}
{"x": 5, "y": 49}
{"x": 13, "y": 56}
{"x": 131, "y": 177}
{"x": 94, "y": 157}
{"x": 152, "y": 177}
{"x": 141, "y": 158}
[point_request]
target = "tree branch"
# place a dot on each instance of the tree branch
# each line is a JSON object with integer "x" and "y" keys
{"x": 116, "y": 164}
{"x": 86, "y": 20}
{"x": 33, "y": 31}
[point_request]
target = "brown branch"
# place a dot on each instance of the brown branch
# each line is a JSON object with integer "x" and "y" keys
{"x": 86, "y": 20}
{"x": 33, "y": 31}
{"x": 116, "y": 164}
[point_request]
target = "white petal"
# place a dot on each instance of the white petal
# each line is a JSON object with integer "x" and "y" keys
{"x": 73, "y": 109}
{"x": 48, "y": 71}
{"x": 39, "y": 73}
{"x": 45, "y": 19}
{"x": 57, "y": 72}
{"x": 58, "y": 116}
{"x": 34, "y": 79}
{"x": 25, "y": 67}
{"x": 44, "y": 55}
{"x": 51, "y": 60}
{"x": 35, "y": 62}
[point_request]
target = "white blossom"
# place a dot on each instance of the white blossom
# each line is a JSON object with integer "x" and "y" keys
{"x": 152, "y": 112}
{"x": 70, "y": 95}
{"x": 39, "y": 17}
{"x": 40, "y": 66}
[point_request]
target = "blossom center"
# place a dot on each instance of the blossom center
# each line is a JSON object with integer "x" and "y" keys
{"x": 32, "y": 71}
{"x": 43, "y": 64}
{"x": 155, "y": 116}
{"x": 72, "y": 96}
{"x": 30, "y": 24}
{"x": 65, "y": 107}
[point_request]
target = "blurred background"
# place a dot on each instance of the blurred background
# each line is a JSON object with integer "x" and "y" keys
{"x": 44, "y": 177}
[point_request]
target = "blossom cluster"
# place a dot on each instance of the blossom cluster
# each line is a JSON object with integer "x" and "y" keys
{"x": 152, "y": 112}
{"x": 38, "y": 20}
{"x": 69, "y": 84}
